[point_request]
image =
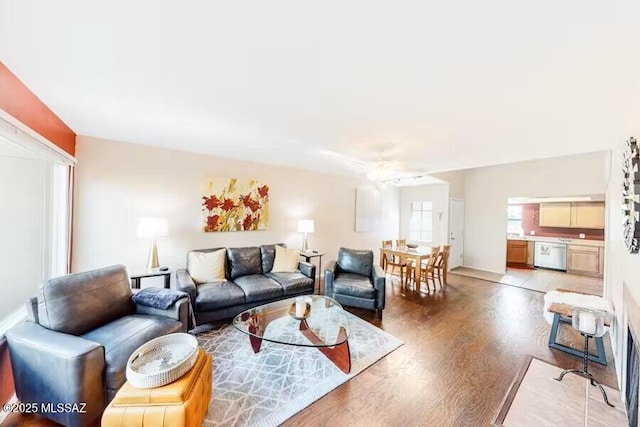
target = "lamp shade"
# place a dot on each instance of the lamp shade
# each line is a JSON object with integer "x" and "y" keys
{"x": 151, "y": 227}
{"x": 305, "y": 226}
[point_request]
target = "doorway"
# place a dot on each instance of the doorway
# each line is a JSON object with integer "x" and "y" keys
{"x": 456, "y": 232}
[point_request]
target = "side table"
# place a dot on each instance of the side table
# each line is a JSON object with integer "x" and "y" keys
{"x": 138, "y": 275}
{"x": 307, "y": 255}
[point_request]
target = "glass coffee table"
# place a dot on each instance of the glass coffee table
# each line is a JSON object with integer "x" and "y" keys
{"x": 309, "y": 321}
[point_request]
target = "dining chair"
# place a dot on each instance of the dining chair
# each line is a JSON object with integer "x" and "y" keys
{"x": 393, "y": 261}
{"x": 441, "y": 265}
{"x": 386, "y": 244}
{"x": 427, "y": 269}
{"x": 401, "y": 243}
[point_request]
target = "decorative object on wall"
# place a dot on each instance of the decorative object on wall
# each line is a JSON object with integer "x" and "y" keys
{"x": 368, "y": 209}
{"x": 152, "y": 228}
{"x": 305, "y": 226}
{"x": 631, "y": 195}
{"x": 229, "y": 204}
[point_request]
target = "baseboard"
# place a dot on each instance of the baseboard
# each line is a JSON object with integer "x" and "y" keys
{"x": 482, "y": 269}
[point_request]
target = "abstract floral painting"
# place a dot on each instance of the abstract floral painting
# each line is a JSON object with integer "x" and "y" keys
{"x": 229, "y": 204}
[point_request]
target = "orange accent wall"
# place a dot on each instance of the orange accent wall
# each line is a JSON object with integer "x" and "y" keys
{"x": 17, "y": 100}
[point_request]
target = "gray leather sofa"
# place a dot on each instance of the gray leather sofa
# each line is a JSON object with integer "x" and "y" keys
{"x": 249, "y": 283}
{"x": 82, "y": 329}
{"x": 353, "y": 280}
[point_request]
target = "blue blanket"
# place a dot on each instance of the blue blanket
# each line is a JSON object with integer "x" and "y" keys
{"x": 158, "y": 297}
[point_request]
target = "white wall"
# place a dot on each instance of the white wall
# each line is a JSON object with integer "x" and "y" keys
{"x": 117, "y": 183}
{"x": 436, "y": 193}
{"x": 22, "y": 228}
{"x": 621, "y": 267}
{"x": 487, "y": 190}
{"x": 456, "y": 181}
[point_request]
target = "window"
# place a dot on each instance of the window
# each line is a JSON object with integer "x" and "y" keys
{"x": 34, "y": 217}
{"x": 514, "y": 220}
{"x": 421, "y": 224}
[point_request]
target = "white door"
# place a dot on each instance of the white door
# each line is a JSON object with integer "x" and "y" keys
{"x": 456, "y": 232}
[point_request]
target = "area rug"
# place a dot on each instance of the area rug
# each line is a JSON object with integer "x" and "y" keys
{"x": 537, "y": 399}
{"x": 267, "y": 388}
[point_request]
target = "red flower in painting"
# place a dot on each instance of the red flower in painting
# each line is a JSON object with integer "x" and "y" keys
{"x": 263, "y": 191}
{"x": 246, "y": 200}
{"x": 212, "y": 222}
{"x": 211, "y": 202}
{"x": 246, "y": 224}
{"x": 227, "y": 205}
{"x": 254, "y": 205}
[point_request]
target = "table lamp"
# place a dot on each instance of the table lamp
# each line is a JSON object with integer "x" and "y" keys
{"x": 152, "y": 228}
{"x": 305, "y": 226}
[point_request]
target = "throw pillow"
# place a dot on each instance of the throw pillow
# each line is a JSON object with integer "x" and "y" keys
{"x": 207, "y": 267}
{"x": 286, "y": 260}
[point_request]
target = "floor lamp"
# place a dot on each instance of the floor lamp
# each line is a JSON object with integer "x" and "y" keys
{"x": 152, "y": 228}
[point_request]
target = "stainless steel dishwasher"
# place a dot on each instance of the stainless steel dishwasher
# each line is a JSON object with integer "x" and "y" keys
{"x": 550, "y": 255}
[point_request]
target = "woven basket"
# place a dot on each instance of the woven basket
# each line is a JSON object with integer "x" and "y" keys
{"x": 162, "y": 360}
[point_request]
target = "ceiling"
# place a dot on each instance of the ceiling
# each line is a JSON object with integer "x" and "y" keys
{"x": 435, "y": 85}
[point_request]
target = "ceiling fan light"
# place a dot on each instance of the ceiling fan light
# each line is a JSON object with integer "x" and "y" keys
{"x": 380, "y": 173}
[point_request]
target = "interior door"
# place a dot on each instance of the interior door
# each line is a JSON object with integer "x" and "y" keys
{"x": 456, "y": 232}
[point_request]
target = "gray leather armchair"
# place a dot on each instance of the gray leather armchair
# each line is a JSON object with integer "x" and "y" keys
{"x": 353, "y": 280}
{"x": 82, "y": 329}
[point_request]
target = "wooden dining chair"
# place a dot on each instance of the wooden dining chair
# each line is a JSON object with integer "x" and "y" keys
{"x": 441, "y": 265}
{"x": 427, "y": 270}
{"x": 386, "y": 244}
{"x": 393, "y": 261}
{"x": 401, "y": 243}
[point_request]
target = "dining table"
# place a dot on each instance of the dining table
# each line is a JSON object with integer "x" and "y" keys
{"x": 404, "y": 252}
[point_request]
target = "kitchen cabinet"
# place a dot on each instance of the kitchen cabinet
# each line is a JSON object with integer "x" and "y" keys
{"x": 555, "y": 214}
{"x": 587, "y": 260}
{"x": 572, "y": 215}
{"x": 587, "y": 215}
{"x": 517, "y": 252}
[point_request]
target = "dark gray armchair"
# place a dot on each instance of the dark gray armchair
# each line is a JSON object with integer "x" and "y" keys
{"x": 82, "y": 329}
{"x": 353, "y": 280}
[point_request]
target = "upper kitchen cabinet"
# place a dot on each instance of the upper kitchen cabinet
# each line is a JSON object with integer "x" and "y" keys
{"x": 587, "y": 215}
{"x": 575, "y": 215}
{"x": 555, "y": 214}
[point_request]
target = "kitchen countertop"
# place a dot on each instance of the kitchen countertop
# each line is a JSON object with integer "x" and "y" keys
{"x": 583, "y": 242}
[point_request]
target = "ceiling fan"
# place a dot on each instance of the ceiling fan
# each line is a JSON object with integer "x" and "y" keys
{"x": 383, "y": 169}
